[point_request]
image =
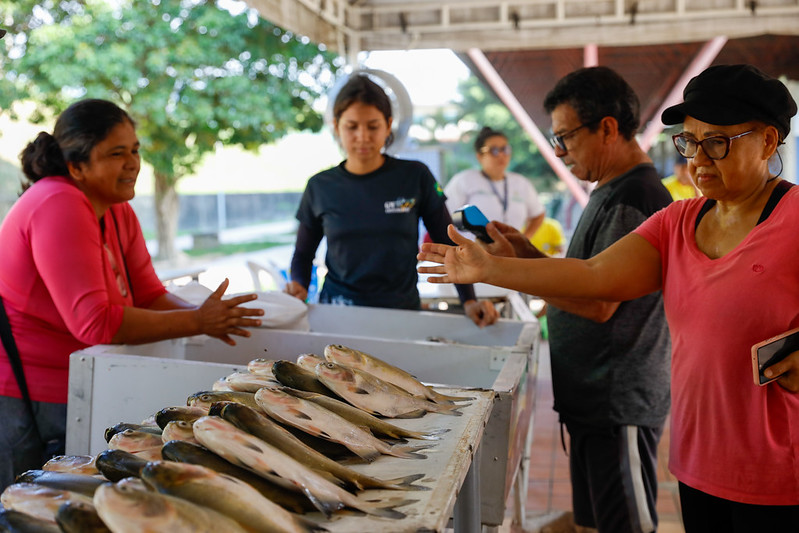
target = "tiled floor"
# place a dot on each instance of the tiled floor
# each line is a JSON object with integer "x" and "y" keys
{"x": 549, "y": 489}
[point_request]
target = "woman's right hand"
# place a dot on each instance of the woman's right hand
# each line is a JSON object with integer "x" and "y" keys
{"x": 295, "y": 289}
{"x": 221, "y": 318}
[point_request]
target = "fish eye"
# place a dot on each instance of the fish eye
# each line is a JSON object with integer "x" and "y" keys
{"x": 329, "y": 365}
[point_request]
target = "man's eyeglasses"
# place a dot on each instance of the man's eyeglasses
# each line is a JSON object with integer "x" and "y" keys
{"x": 559, "y": 141}
{"x": 496, "y": 150}
{"x": 716, "y": 147}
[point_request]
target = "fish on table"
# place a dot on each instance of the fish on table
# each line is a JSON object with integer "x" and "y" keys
{"x": 226, "y": 494}
{"x": 17, "y": 521}
{"x": 308, "y": 361}
{"x": 375, "y": 395}
{"x": 266, "y": 429}
{"x": 126, "y": 509}
{"x": 261, "y": 366}
{"x": 178, "y": 430}
{"x": 273, "y": 488}
{"x": 84, "y": 484}
{"x": 116, "y": 465}
{"x": 80, "y": 517}
{"x": 317, "y": 420}
{"x": 204, "y": 399}
{"x": 359, "y": 417}
{"x": 248, "y": 381}
{"x": 346, "y": 356}
{"x": 38, "y": 500}
{"x": 75, "y": 464}
{"x": 239, "y": 447}
{"x": 178, "y": 412}
{"x": 144, "y": 444}
{"x": 293, "y": 375}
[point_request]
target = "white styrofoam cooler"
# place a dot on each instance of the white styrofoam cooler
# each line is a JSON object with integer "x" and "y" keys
{"x": 113, "y": 383}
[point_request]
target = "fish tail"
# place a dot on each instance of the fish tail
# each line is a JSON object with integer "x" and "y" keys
{"x": 406, "y": 483}
{"x": 443, "y": 398}
{"x": 379, "y": 508}
{"x": 407, "y": 452}
{"x": 432, "y": 435}
{"x": 451, "y": 410}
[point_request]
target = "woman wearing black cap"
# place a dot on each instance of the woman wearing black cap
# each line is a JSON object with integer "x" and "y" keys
{"x": 727, "y": 266}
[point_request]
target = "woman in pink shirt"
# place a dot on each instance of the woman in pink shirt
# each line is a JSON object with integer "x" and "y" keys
{"x": 727, "y": 266}
{"x": 76, "y": 272}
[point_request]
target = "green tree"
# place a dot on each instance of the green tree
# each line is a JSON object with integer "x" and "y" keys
{"x": 477, "y": 107}
{"x": 190, "y": 72}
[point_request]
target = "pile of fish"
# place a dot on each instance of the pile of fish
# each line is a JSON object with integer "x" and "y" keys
{"x": 265, "y": 450}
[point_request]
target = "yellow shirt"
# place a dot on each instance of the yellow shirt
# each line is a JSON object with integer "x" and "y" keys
{"x": 678, "y": 190}
{"x": 549, "y": 237}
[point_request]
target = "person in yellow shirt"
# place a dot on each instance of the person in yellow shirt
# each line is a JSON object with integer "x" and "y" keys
{"x": 680, "y": 184}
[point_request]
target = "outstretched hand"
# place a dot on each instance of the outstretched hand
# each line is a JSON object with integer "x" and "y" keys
{"x": 464, "y": 263}
{"x": 510, "y": 242}
{"x": 222, "y": 318}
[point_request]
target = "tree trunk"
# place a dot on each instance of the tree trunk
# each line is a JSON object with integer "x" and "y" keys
{"x": 167, "y": 209}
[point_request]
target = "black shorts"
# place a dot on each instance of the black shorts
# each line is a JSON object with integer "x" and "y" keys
{"x": 703, "y": 513}
{"x": 614, "y": 477}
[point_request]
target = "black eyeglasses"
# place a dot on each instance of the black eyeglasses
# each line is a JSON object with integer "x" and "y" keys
{"x": 496, "y": 150}
{"x": 716, "y": 147}
{"x": 559, "y": 141}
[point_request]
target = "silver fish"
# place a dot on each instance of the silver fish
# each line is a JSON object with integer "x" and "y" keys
{"x": 346, "y": 356}
{"x": 179, "y": 412}
{"x": 37, "y": 500}
{"x": 317, "y": 420}
{"x": 80, "y": 483}
{"x": 308, "y": 361}
{"x": 75, "y": 464}
{"x": 134, "y": 441}
{"x": 80, "y": 517}
{"x": 205, "y": 399}
{"x": 359, "y": 417}
{"x": 225, "y": 494}
{"x": 376, "y": 396}
{"x": 264, "y": 428}
{"x": 239, "y": 447}
{"x": 178, "y": 430}
{"x": 261, "y": 366}
{"x": 18, "y": 522}
{"x": 248, "y": 382}
{"x": 126, "y": 509}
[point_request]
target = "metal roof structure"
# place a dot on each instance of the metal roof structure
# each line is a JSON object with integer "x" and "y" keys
{"x": 349, "y": 26}
{"x": 522, "y": 47}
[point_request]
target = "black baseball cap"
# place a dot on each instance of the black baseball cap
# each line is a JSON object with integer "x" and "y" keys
{"x": 733, "y": 94}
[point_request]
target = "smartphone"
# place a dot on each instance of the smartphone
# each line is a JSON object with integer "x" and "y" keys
{"x": 470, "y": 218}
{"x": 773, "y": 350}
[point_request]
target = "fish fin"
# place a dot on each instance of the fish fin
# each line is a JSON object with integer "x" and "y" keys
{"x": 325, "y": 507}
{"x": 298, "y": 414}
{"x": 418, "y": 413}
{"x": 365, "y": 452}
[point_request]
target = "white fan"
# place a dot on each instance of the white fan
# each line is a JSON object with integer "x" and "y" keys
{"x": 401, "y": 107}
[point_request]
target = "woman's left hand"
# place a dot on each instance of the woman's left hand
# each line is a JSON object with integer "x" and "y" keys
{"x": 482, "y": 312}
{"x": 788, "y": 368}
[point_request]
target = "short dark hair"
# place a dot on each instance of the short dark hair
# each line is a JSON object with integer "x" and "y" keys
{"x": 485, "y": 134}
{"x": 77, "y": 131}
{"x": 596, "y": 93}
{"x": 362, "y": 89}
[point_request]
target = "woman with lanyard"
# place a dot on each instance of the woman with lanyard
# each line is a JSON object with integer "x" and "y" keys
{"x": 504, "y": 196}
